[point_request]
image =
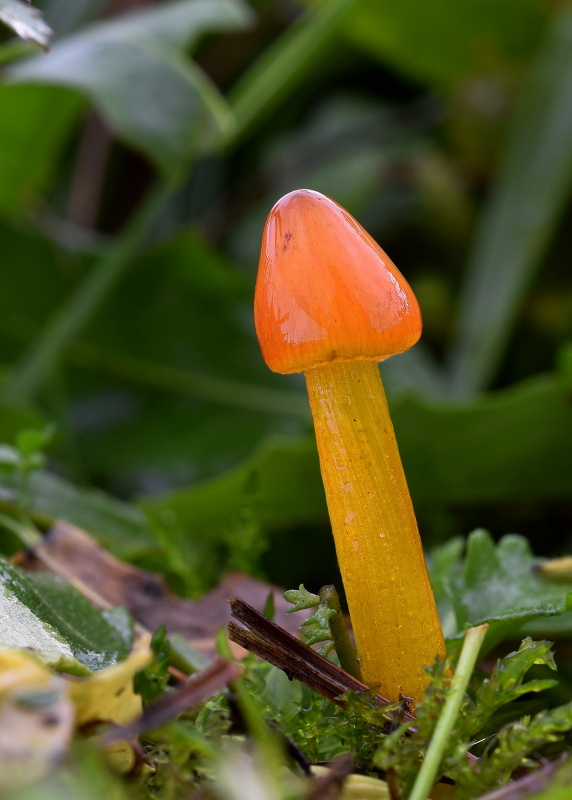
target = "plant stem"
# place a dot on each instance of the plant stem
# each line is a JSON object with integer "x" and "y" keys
{"x": 467, "y": 660}
{"x": 283, "y": 65}
{"x": 343, "y": 647}
{"x": 27, "y": 534}
{"x": 48, "y": 349}
{"x": 391, "y": 604}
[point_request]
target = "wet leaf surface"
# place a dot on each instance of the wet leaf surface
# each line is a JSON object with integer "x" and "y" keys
{"x": 47, "y": 616}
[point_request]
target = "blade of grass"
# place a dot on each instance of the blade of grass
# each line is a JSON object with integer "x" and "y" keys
{"x": 51, "y": 346}
{"x": 283, "y": 65}
{"x": 217, "y": 390}
{"x": 533, "y": 184}
{"x": 429, "y": 768}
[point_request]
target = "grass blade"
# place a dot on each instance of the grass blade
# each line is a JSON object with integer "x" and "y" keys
{"x": 532, "y": 187}
{"x": 430, "y": 766}
{"x": 283, "y": 65}
{"x": 51, "y": 346}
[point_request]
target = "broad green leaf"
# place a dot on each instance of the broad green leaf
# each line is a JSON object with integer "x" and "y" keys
{"x": 498, "y": 584}
{"x": 282, "y": 479}
{"x": 40, "y": 264}
{"x": 205, "y": 398}
{"x": 446, "y": 43}
{"x": 135, "y": 73}
{"x": 533, "y": 184}
{"x": 65, "y": 17}
{"x": 511, "y": 444}
{"x": 47, "y": 616}
{"x": 26, "y": 21}
{"x": 35, "y": 125}
{"x": 119, "y": 527}
{"x": 279, "y": 486}
{"x": 46, "y": 351}
{"x": 444, "y": 452}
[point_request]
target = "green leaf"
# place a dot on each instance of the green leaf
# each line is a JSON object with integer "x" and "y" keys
{"x": 288, "y": 491}
{"x": 518, "y": 740}
{"x": 119, "y": 527}
{"x": 506, "y": 681}
{"x": 217, "y": 398}
{"x": 15, "y": 417}
{"x": 441, "y": 444}
{"x": 509, "y": 746}
{"x": 151, "y": 681}
{"x": 533, "y": 184}
{"x": 301, "y": 599}
{"x": 35, "y": 125}
{"x": 26, "y": 21}
{"x": 135, "y": 73}
{"x": 445, "y": 458}
{"x": 44, "y": 614}
{"x": 498, "y": 584}
{"x": 31, "y": 441}
{"x": 446, "y": 43}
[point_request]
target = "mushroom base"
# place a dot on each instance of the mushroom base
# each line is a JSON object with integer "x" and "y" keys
{"x": 379, "y": 551}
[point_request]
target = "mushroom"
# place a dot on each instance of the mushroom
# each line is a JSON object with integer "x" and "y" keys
{"x": 331, "y": 304}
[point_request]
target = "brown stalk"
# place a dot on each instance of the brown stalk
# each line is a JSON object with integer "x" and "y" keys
{"x": 218, "y": 675}
{"x": 298, "y": 660}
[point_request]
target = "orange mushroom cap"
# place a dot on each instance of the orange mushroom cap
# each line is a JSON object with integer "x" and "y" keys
{"x": 326, "y": 291}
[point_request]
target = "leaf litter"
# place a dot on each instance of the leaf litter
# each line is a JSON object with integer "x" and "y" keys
{"x": 303, "y": 711}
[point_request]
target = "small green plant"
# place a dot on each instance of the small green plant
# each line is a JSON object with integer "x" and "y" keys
{"x": 325, "y": 625}
{"x": 19, "y": 461}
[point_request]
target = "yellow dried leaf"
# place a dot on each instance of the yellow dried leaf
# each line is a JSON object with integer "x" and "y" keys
{"x": 19, "y": 669}
{"x": 108, "y": 696}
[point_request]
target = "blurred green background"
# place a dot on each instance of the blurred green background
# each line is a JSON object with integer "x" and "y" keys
{"x": 138, "y": 160}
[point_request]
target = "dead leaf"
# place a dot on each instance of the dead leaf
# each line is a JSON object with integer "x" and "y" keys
{"x": 107, "y": 695}
{"x": 145, "y": 595}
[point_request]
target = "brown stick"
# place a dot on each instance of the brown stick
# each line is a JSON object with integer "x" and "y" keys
{"x": 298, "y": 660}
{"x": 218, "y": 675}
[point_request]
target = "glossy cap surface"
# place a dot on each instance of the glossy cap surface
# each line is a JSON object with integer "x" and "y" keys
{"x": 326, "y": 291}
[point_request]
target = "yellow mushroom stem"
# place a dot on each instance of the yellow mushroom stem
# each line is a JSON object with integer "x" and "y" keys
{"x": 379, "y": 551}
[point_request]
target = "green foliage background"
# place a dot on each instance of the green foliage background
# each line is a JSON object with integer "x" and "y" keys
{"x": 138, "y": 159}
